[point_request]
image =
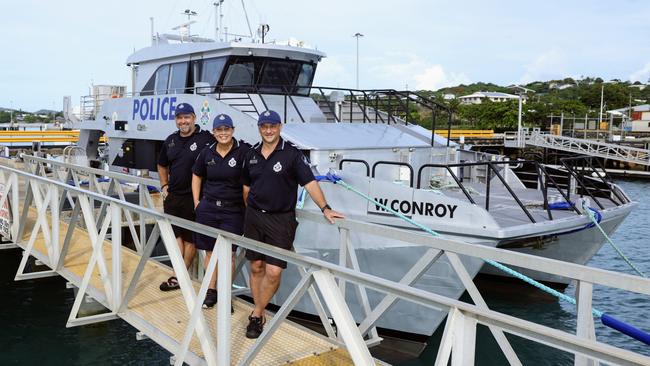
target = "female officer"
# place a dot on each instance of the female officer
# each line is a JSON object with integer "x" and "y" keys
{"x": 217, "y": 191}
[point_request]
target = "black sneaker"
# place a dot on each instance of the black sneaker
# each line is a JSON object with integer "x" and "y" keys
{"x": 210, "y": 299}
{"x": 255, "y": 326}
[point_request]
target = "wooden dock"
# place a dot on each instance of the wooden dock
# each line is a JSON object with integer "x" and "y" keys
{"x": 166, "y": 312}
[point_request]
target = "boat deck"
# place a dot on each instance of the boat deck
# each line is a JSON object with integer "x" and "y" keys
{"x": 507, "y": 213}
{"x": 167, "y": 313}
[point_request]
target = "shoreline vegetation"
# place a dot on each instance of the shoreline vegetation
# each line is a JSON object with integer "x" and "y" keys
{"x": 573, "y": 98}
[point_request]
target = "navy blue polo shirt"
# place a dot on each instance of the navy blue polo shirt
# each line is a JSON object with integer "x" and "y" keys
{"x": 274, "y": 181}
{"x": 222, "y": 175}
{"x": 179, "y": 153}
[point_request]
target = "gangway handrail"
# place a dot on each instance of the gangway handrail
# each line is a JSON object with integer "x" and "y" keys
{"x": 323, "y": 271}
{"x": 547, "y": 265}
{"x": 590, "y": 147}
{"x": 95, "y": 171}
{"x": 568, "y": 270}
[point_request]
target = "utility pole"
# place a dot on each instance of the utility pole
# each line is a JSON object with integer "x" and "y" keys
{"x": 600, "y": 114}
{"x": 521, "y": 91}
{"x": 357, "y": 36}
{"x": 519, "y": 136}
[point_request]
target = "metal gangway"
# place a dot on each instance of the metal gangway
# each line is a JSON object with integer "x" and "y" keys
{"x": 74, "y": 243}
{"x": 589, "y": 147}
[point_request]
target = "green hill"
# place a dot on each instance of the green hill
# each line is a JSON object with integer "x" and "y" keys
{"x": 568, "y": 96}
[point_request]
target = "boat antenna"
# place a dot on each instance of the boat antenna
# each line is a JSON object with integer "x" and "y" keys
{"x": 218, "y": 19}
{"x": 153, "y": 37}
{"x": 250, "y": 32}
{"x": 263, "y": 30}
{"x": 189, "y": 13}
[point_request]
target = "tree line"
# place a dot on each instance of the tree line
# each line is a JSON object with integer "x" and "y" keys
{"x": 25, "y": 117}
{"x": 575, "y": 98}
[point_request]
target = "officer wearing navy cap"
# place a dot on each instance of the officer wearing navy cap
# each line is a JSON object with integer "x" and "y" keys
{"x": 217, "y": 191}
{"x": 178, "y": 153}
{"x": 272, "y": 171}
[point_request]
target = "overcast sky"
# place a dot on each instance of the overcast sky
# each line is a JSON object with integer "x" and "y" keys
{"x": 56, "y": 48}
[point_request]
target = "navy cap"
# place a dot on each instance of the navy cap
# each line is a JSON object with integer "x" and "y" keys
{"x": 269, "y": 117}
{"x": 222, "y": 120}
{"x": 183, "y": 108}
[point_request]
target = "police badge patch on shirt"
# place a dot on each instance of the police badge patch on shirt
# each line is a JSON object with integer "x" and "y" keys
{"x": 193, "y": 146}
{"x": 305, "y": 160}
{"x": 232, "y": 162}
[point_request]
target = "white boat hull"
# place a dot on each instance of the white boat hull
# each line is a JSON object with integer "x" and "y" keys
{"x": 386, "y": 259}
{"x": 577, "y": 247}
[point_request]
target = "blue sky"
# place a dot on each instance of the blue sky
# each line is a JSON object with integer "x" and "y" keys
{"x": 52, "y": 49}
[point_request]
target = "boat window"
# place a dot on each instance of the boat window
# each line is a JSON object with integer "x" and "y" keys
{"x": 178, "y": 78}
{"x": 305, "y": 78}
{"x": 240, "y": 74}
{"x": 279, "y": 76}
{"x": 162, "y": 78}
{"x": 149, "y": 86}
{"x": 267, "y": 75}
{"x": 211, "y": 70}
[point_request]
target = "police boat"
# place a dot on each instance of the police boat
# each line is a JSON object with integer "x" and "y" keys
{"x": 367, "y": 137}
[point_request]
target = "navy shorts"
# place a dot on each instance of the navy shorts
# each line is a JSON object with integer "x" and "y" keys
{"x": 277, "y": 229}
{"x": 180, "y": 205}
{"x": 229, "y": 219}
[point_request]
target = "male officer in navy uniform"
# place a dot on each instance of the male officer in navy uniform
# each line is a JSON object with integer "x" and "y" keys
{"x": 272, "y": 171}
{"x": 178, "y": 153}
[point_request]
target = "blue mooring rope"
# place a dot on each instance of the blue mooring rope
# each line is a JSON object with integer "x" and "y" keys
{"x": 606, "y": 319}
{"x": 595, "y": 221}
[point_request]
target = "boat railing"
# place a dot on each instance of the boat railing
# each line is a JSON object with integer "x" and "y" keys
{"x": 543, "y": 180}
{"x": 394, "y": 163}
{"x": 359, "y": 161}
{"x": 46, "y": 192}
{"x": 388, "y": 106}
{"x": 593, "y": 179}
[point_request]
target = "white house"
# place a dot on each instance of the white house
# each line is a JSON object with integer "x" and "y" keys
{"x": 478, "y": 97}
{"x": 559, "y": 86}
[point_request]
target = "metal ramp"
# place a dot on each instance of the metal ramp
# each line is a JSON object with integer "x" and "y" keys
{"x": 163, "y": 316}
{"x": 74, "y": 244}
{"x": 588, "y": 147}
